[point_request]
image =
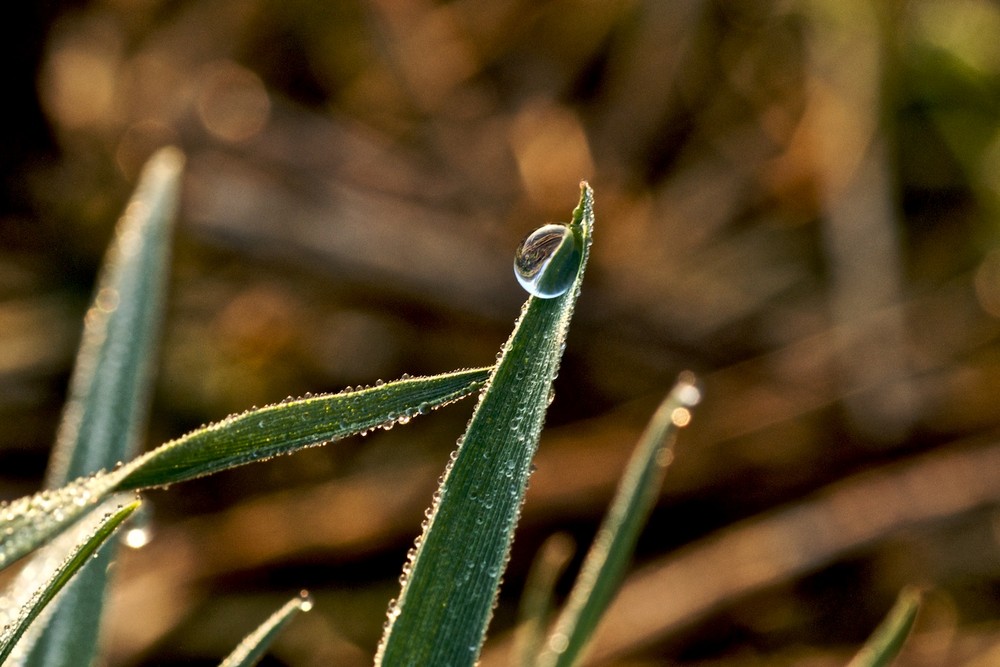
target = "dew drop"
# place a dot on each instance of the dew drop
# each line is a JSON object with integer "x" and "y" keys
{"x": 558, "y": 643}
{"x": 681, "y": 417}
{"x": 688, "y": 390}
{"x": 137, "y": 538}
{"x": 547, "y": 261}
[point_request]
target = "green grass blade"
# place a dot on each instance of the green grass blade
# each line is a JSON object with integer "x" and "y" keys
{"x": 254, "y": 645}
{"x": 537, "y": 600}
{"x": 452, "y": 579}
{"x": 283, "y": 428}
{"x": 29, "y": 522}
{"x": 605, "y": 564}
{"x": 286, "y": 427}
{"x": 14, "y": 629}
{"x": 110, "y": 390}
{"x": 887, "y": 640}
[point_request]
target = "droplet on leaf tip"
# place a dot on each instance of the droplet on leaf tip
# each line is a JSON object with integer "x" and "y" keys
{"x": 547, "y": 261}
{"x": 688, "y": 391}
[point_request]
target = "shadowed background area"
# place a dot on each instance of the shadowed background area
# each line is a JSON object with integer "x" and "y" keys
{"x": 798, "y": 200}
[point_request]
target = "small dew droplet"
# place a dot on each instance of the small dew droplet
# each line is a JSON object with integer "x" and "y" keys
{"x": 137, "y": 538}
{"x": 547, "y": 261}
{"x": 681, "y": 417}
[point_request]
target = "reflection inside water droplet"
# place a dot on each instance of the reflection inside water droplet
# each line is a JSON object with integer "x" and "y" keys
{"x": 547, "y": 261}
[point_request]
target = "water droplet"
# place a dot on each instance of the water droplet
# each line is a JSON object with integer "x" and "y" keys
{"x": 547, "y": 261}
{"x": 137, "y": 538}
{"x": 558, "y": 643}
{"x": 688, "y": 391}
{"x": 681, "y": 417}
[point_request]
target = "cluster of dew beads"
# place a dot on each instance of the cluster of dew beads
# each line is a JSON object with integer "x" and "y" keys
{"x": 547, "y": 261}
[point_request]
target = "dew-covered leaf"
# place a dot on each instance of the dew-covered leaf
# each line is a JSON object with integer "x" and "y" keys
{"x": 29, "y": 522}
{"x": 47, "y": 583}
{"x": 605, "y": 563}
{"x": 454, "y": 574}
{"x": 252, "y": 648}
{"x": 254, "y": 435}
{"x": 888, "y": 639}
{"x": 286, "y": 427}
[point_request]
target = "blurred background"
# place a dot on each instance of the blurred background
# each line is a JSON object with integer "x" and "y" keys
{"x": 799, "y": 200}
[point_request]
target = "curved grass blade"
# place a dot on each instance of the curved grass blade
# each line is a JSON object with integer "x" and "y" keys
{"x": 604, "y": 566}
{"x": 252, "y": 648}
{"x": 453, "y": 576}
{"x": 887, "y": 640}
{"x": 286, "y": 427}
{"x": 536, "y": 601}
{"x": 110, "y": 388}
{"x": 12, "y": 631}
{"x": 258, "y": 434}
{"x": 29, "y": 522}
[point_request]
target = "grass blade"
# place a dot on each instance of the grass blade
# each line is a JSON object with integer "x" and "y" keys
{"x": 286, "y": 427}
{"x": 887, "y": 640}
{"x": 13, "y": 630}
{"x": 283, "y": 428}
{"x": 252, "y": 648}
{"x": 536, "y": 601}
{"x": 29, "y": 522}
{"x": 109, "y": 391}
{"x": 604, "y": 566}
{"x": 110, "y": 388}
{"x": 452, "y": 579}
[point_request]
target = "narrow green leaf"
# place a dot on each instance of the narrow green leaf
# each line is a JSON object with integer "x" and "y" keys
{"x": 28, "y": 522}
{"x": 286, "y": 427}
{"x": 252, "y": 648}
{"x": 605, "y": 564}
{"x": 887, "y": 640}
{"x": 110, "y": 389}
{"x": 277, "y": 429}
{"x": 454, "y": 574}
{"x": 13, "y": 629}
{"x": 536, "y": 601}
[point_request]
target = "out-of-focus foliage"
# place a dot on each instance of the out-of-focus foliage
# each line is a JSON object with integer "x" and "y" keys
{"x": 799, "y": 200}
